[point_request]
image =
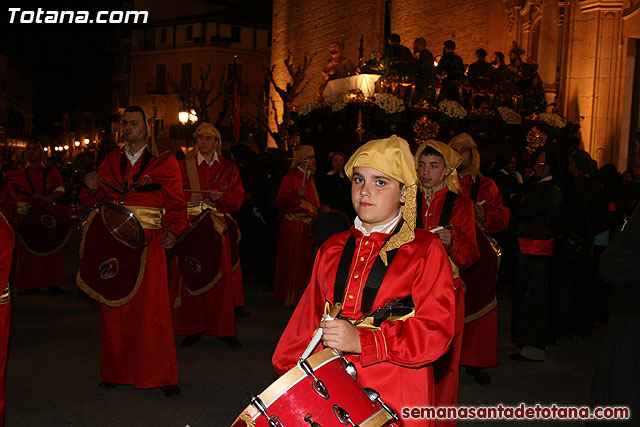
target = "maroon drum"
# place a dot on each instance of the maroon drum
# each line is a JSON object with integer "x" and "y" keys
{"x": 321, "y": 390}
{"x": 113, "y": 255}
{"x": 198, "y": 251}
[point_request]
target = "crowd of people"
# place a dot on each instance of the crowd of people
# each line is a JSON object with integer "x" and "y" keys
{"x": 485, "y": 84}
{"x": 433, "y": 237}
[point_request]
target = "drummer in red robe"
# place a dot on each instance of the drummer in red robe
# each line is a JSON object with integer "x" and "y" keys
{"x": 212, "y": 312}
{"x": 298, "y": 198}
{"x": 395, "y": 358}
{"x": 36, "y": 180}
{"x": 480, "y": 338}
{"x": 7, "y": 240}
{"x": 136, "y": 340}
{"x": 440, "y": 204}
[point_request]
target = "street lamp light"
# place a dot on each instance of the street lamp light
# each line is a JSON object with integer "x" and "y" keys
{"x": 187, "y": 118}
{"x": 77, "y": 143}
{"x": 86, "y": 141}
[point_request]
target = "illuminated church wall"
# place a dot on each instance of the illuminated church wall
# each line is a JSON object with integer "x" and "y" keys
{"x": 585, "y": 50}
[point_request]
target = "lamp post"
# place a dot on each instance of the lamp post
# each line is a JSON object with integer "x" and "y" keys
{"x": 187, "y": 118}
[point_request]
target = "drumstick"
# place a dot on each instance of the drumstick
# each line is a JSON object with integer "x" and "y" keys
{"x": 481, "y": 202}
{"x": 196, "y": 191}
{"x": 335, "y": 310}
{"x": 442, "y": 227}
{"x": 111, "y": 186}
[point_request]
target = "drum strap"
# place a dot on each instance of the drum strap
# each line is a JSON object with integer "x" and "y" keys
{"x": 447, "y": 209}
{"x": 146, "y": 158}
{"x": 474, "y": 189}
{"x": 445, "y": 215}
{"x": 45, "y": 171}
{"x": 194, "y": 180}
{"x": 376, "y": 275}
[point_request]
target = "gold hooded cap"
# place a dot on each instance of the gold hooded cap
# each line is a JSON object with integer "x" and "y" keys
{"x": 206, "y": 128}
{"x": 466, "y": 140}
{"x": 301, "y": 153}
{"x": 451, "y": 160}
{"x": 392, "y": 157}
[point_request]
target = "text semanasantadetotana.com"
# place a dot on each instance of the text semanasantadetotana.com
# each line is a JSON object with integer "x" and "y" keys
{"x": 521, "y": 412}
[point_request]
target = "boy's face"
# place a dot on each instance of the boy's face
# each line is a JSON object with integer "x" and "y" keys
{"x": 432, "y": 171}
{"x": 376, "y": 197}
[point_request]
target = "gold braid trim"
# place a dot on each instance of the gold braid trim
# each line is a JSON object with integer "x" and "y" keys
{"x": 244, "y": 416}
{"x": 407, "y": 231}
{"x": 96, "y": 296}
{"x": 482, "y": 312}
{"x": 6, "y": 295}
{"x": 205, "y": 288}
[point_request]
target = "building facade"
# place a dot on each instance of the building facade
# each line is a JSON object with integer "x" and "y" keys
{"x": 167, "y": 54}
{"x": 587, "y": 51}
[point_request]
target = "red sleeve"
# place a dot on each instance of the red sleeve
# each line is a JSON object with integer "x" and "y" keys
{"x": 7, "y": 240}
{"x": 232, "y": 196}
{"x": 174, "y": 204}
{"x": 9, "y": 206}
{"x": 54, "y": 180}
{"x": 109, "y": 171}
{"x": 421, "y": 339}
{"x": 497, "y": 214}
{"x": 87, "y": 200}
{"x": 464, "y": 250}
{"x": 287, "y": 198}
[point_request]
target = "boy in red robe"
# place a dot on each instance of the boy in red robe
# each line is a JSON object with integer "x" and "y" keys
{"x": 298, "y": 198}
{"x": 480, "y": 338}
{"x": 396, "y": 357}
{"x": 212, "y": 312}
{"x": 440, "y": 204}
{"x": 136, "y": 339}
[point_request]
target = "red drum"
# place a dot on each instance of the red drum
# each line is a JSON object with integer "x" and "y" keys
{"x": 321, "y": 390}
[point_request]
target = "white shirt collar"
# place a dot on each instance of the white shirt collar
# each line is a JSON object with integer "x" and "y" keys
{"x": 384, "y": 228}
{"x": 201, "y": 159}
{"x": 133, "y": 158}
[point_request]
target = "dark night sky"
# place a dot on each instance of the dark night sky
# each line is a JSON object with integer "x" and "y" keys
{"x": 67, "y": 63}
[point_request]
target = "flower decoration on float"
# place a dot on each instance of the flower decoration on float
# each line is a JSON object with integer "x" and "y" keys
{"x": 509, "y": 116}
{"x": 425, "y": 129}
{"x": 452, "y": 109}
{"x": 388, "y": 103}
{"x": 551, "y": 119}
{"x": 536, "y": 139}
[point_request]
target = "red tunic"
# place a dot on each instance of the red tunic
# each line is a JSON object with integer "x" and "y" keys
{"x": 136, "y": 340}
{"x": 463, "y": 251}
{"x": 31, "y": 271}
{"x": 88, "y": 200}
{"x": 480, "y": 339}
{"x": 7, "y": 241}
{"x": 295, "y": 248}
{"x": 212, "y": 312}
{"x": 397, "y": 359}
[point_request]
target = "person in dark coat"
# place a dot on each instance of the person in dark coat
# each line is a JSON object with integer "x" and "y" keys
{"x": 536, "y": 216}
{"x": 617, "y": 376}
{"x": 583, "y": 215}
